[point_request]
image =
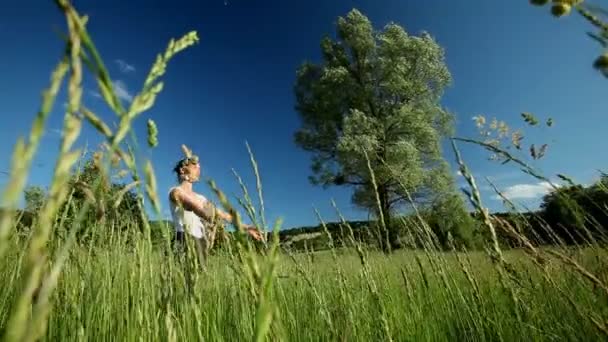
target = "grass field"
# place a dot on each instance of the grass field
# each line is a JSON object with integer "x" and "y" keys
{"x": 136, "y": 293}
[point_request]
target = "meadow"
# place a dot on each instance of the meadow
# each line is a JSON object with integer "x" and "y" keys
{"x": 120, "y": 284}
{"x": 130, "y": 292}
{"x": 133, "y": 293}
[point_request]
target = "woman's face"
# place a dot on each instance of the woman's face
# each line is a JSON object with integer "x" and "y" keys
{"x": 193, "y": 171}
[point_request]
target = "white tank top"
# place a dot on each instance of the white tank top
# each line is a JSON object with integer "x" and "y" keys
{"x": 186, "y": 220}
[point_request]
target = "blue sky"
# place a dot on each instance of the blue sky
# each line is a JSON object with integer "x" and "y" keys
{"x": 236, "y": 85}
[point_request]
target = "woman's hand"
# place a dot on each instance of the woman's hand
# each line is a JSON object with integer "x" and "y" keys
{"x": 254, "y": 233}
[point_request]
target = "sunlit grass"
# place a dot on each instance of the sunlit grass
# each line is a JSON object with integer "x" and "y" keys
{"x": 134, "y": 294}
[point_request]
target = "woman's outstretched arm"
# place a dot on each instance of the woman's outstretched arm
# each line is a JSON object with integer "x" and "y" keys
{"x": 207, "y": 211}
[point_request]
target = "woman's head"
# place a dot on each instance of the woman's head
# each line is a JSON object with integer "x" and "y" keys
{"x": 188, "y": 169}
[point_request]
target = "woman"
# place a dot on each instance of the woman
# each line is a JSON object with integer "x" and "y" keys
{"x": 191, "y": 212}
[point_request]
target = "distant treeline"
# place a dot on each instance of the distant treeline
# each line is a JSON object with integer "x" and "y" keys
{"x": 573, "y": 214}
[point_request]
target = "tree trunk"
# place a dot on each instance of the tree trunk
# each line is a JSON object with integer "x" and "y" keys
{"x": 390, "y": 236}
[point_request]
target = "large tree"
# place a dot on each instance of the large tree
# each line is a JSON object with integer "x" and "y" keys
{"x": 375, "y": 97}
{"x": 34, "y": 198}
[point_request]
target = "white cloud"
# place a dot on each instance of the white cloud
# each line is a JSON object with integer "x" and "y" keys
{"x": 512, "y": 175}
{"x": 525, "y": 191}
{"x": 124, "y": 66}
{"x": 53, "y": 133}
{"x": 56, "y": 131}
{"x": 120, "y": 88}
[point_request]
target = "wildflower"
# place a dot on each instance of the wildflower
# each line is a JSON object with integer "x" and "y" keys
{"x": 480, "y": 121}
{"x": 516, "y": 139}
{"x": 494, "y": 124}
{"x": 503, "y": 129}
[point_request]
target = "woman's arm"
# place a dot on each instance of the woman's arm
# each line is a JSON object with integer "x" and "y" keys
{"x": 251, "y": 230}
{"x": 192, "y": 203}
{"x": 207, "y": 210}
{"x": 222, "y": 214}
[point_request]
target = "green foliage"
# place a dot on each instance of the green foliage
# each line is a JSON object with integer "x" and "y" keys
{"x": 376, "y": 95}
{"x": 448, "y": 218}
{"x": 577, "y": 213}
{"x": 113, "y": 204}
{"x": 34, "y": 198}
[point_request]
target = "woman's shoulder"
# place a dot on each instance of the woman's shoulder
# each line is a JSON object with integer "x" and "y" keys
{"x": 174, "y": 192}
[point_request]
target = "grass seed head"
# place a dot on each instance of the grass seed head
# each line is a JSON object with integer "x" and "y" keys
{"x": 187, "y": 151}
{"x": 152, "y": 133}
{"x": 539, "y": 2}
{"x": 561, "y": 9}
{"x": 601, "y": 62}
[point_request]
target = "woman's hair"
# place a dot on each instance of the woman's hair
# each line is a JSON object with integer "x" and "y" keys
{"x": 182, "y": 163}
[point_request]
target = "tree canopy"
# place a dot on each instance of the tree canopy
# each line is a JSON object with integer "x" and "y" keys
{"x": 112, "y": 202}
{"x": 34, "y": 198}
{"x": 373, "y": 103}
